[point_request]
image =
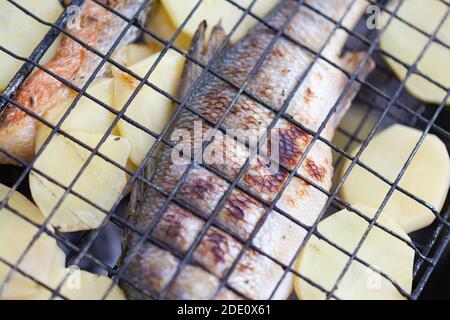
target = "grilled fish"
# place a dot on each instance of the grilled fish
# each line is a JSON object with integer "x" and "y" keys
{"x": 151, "y": 264}
{"x": 98, "y": 28}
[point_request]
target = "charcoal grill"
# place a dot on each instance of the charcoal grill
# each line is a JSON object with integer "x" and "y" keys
{"x": 382, "y": 97}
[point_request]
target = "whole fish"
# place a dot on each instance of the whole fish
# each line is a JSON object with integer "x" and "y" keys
{"x": 151, "y": 265}
{"x": 99, "y": 28}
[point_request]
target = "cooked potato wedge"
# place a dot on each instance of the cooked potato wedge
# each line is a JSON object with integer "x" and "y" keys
{"x": 22, "y": 33}
{"x": 149, "y": 108}
{"x": 405, "y": 43}
{"x": 160, "y": 23}
{"x": 101, "y": 182}
{"x": 87, "y": 116}
{"x": 323, "y": 263}
{"x": 213, "y": 11}
{"x": 133, "y": 53}
{"x": 81, "y": 285}
{"x": 427, "y": 177}
{"x": 15, "y": 235}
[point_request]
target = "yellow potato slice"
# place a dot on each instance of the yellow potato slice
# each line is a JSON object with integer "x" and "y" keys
{"x": 87, "y": 116}
{"x": 323, "y": 263}
{"x": 80, "y": 285}
{"x": 351, "y": 122}
{"x": 149, "y": 108}
{"x": 133, "y": 53}
{"x": 132, "y": 167}
{"x": 213, "y": 11}
{"x": 15, "y": 235}
{"x": 427, "y": 177}
{"x": 405, "y": 43}
{"x": 159, "y": 23}
{"x": 101, "y": 182}
{"x": 22, "y": 33}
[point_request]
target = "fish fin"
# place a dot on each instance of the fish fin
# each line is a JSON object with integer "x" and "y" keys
{"x": 202, "y": 51}
{"x": 218, "y": 37}
{"x": 192, "y": 70}
{"x": 350, "y": 62}
{"x": 141, "y": 188}
{"x": 138, "y": 193}
{"x": 130, "y": 215}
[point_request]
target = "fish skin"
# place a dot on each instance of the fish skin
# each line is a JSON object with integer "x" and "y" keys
{"x": 255, "y": 277}
{"x": 99, "y": 29}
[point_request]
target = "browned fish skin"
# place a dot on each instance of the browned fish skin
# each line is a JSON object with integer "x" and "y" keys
{"x": 99, "y": 29}
{"x": 255, "y": 276}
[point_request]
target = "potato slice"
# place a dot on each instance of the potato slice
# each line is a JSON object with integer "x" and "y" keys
{"x": 132, "y": 167}
{"x": 87, "y": 116}
{"x": 15, "y": 235}
{"x": 91, "y": 287}
{"x": 405, "y": 43}
{"x": 355, "y": 116}
{"x": 22, "y": 33}
{"x": 81, "y": 285}
{"x": 322, "y": 263}
{"x": 213, "y": 11}
{"x": 427, "y": 177}
{"x": 159, "y": 23}
{"x": 352, "y": 120}
{"x": 149, "y": 108}
{"x": 101, "y": 182}
{"x": 133, "y": 53}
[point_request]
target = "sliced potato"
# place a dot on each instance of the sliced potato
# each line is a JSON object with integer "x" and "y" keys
{"x": 15, "y": 235}
{"x": 159, "y": 23}
{"x": 78, "y": 284}
{"x": 22, "y": 33}
{"x": 213, "y": 11}
{"x": 101, "y": 182}
{"x": 133, "y": 53}
{"x": 149, "y": 108}
{"x": 352, "y": 120}
{"x": 405, "y": 43}
{"x": 323, "y": 263}
{"x": 92, "y": 287}
{"x": 81, "y": 285}
{"x": 132, "y": 167}
{"x": 427, "y": 177}
{"x": 87, "y": 116}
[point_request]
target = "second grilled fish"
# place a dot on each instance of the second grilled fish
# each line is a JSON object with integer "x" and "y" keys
{"x": 99, "y": 29}
{"x": 151, "y": 267}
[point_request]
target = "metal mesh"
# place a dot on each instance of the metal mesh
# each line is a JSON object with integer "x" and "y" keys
{"x": 383, "y": 98}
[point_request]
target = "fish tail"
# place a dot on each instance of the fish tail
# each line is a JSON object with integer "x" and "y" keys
{"x": 350, "y": 19}
{"x": 350, "y": 62}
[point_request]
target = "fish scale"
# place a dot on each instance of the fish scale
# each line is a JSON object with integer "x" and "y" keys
{"x": 255, "y": 275}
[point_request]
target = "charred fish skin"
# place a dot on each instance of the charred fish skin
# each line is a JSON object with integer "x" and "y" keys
{"x": 99, "y": 28}
{"x": 255, "y": 277}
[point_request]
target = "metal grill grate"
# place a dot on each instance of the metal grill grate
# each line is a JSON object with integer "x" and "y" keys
{"x": 382, "y": 96}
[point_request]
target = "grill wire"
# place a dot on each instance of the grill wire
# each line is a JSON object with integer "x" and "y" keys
{"x": 382, "y": 96}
